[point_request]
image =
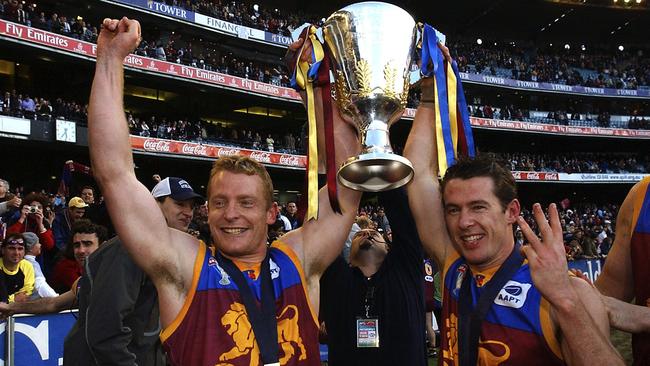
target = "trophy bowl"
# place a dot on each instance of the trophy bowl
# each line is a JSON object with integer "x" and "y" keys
{"x": 371, "y": 44}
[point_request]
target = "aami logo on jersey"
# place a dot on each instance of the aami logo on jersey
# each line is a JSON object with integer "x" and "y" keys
{"x": 513, "y": 294}
{"x": 274, "y": 268}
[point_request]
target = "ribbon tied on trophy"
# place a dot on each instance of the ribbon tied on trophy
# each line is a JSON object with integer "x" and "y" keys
{"x": 370, "y": 65}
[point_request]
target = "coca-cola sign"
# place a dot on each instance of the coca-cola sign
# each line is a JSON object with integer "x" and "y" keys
{"x": 228, "y": 151}
{"x": 195, "y": 149}
{"x": 292, "y": 160}
{"x": 157, "y": 145}
{"x": 261, "y": 156}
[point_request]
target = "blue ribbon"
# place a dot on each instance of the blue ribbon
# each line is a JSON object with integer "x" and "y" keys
{"x": 464, "y": 115}
{"x": 431, "y": 54}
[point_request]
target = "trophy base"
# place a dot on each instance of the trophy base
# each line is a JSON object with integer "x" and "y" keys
{"x": 375, "y": 172}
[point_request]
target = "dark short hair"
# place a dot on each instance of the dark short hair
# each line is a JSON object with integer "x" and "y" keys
{"x": 85, "y": 226}
{"x": 87, "y": 187}
{"x": 505, "y": 187}
{"x": 38, "y": 197}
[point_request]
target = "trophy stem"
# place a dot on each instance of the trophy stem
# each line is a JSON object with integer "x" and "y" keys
{"x": 376, "y": 138}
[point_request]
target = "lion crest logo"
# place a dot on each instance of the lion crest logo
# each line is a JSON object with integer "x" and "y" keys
{"x": 237, "y": 325}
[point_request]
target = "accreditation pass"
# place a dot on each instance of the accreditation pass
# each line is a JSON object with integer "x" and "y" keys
{"x": 367, "y": 333}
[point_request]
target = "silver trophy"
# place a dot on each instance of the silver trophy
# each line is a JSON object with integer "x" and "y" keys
{"x": 372, "y": 44}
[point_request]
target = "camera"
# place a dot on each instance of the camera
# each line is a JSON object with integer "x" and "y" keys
{"x": 33, "y": 209}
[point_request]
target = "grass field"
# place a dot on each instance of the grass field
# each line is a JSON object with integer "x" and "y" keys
{"x": 622, "y": 342}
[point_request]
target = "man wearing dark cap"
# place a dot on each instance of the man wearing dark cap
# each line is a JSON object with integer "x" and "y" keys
{"x": 121, "y": 324}
{"x": 176, "y": 200}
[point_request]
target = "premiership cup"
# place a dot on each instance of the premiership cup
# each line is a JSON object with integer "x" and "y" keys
{"x": 372, "y": 44}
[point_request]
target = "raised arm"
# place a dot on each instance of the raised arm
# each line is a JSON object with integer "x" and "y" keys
{"x": 318, "y": 242}
{"x": 617, "y": 279}
{"x": 576, "y": 307}
{"x": 424, "y": 194}
{"x": 134, "y": 212}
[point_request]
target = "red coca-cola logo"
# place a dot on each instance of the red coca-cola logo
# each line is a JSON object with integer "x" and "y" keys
{"x": 157, "y": 145}
{"x": 228, "y": 151}
{"x": 194, "y": 149}
{"x": 262, "y": 157}
{"x": 533, "y": 176}
{"x": 292, "y": 160}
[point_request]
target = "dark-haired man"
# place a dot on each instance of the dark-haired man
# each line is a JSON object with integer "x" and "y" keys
{"x": 16, "y": 273}
{"x": 467, "y": 226}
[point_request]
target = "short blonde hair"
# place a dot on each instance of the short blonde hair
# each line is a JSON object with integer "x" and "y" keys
{"x": 240, "y": 164}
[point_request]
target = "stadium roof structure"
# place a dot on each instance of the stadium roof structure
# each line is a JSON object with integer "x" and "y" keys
{"x": 585, "y": 21}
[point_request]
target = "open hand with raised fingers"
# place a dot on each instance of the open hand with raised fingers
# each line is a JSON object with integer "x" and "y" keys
{"x": 546, "y": 256}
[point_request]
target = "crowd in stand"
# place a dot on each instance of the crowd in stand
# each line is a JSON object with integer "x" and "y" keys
{"x": 207, "y": 55}
{"x": 607, "y": 163}
{"x": 560, "y": 117}
{"x": 522, "y": 61}
{"x": 588, "y": 229}
{"x": 247, "y": 14}
{"x": 200, "y": 131}
{"x": 21, "y": 105}
{"x": 600, "y": 68}
{"x": 27, "y": 14}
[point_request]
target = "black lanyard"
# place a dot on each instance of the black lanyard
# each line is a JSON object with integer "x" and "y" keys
{"x": 262, "y": 320}
{"x": 369, "y": 300}
{"x": 470, "y": 320}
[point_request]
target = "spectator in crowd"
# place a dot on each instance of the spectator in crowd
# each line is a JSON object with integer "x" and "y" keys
{"x": 32, "y": 219}
{"x": 28, "y": 107}
{"x": 8, "y": 201}
{"x": 292, "y": 215}
{"x": 65, "y": 219}
{"x": 467, "y": 225}
{"x": 240, "y": 210}
{"x": 88, "y": 195}
{"x": 587, "y": 244}
{"x": 17, "y": 274}
{"x": 382, "y": 221}
{"x": 85, "y": 239}
{"x": 33, "y": 250}
{"x": 625, "y": 275}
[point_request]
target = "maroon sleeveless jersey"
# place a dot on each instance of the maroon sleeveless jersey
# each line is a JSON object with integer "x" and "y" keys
{"x": 212, "y": 327}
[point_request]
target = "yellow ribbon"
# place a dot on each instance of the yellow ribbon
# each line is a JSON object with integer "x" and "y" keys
{"x": 304, "y": 82}
{"x": 451, "y": 98}
{"x": 440, "y": 139}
